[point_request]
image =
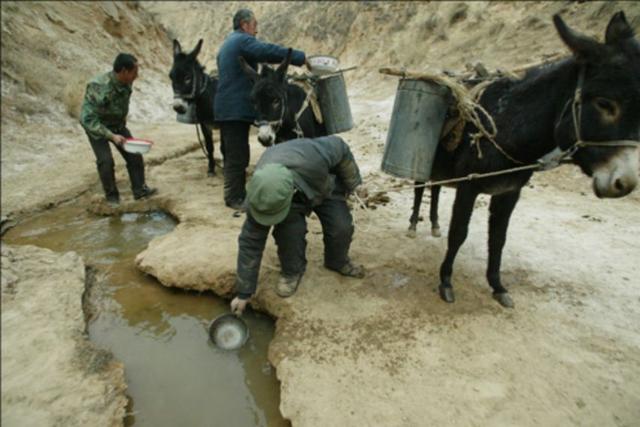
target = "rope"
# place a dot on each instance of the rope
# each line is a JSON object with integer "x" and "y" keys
{"x": 204, "y": 150}
{"x": 467, "y": 103}
{"x": 468, "y": 177}
{"x": 310, "y": 99}
{"x": 366, "y": 210}
{"x": 402, "y": 187}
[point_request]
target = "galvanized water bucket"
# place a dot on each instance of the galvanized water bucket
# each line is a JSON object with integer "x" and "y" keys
{"x": 334, "y": 103}
{"x": 188, "y": 116}
{"x": 418, "y": 115}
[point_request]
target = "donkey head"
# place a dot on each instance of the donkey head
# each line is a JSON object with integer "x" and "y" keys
{"x": 605, "y": 111}
{"x": 269, "y": 98}
{"x": 185, "y": 74}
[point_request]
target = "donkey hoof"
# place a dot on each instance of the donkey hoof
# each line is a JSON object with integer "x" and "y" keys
{"x": 211, "y": 173}
{"x": 504, "y": 299}
{"x": 446, "y": 293}
{"x": 411, "y": 232}
{"x": 435, "y": 232}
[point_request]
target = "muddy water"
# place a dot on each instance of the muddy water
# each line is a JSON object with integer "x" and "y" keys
{"x": 175, "y": 376}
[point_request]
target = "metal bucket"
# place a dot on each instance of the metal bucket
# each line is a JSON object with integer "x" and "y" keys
{"x": 334, "y": 103}
{"x": 189, "y": 116}
{"x": 418, "y": 115}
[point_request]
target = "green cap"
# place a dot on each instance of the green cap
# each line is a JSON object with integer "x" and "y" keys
{"x": 269, "y": 193}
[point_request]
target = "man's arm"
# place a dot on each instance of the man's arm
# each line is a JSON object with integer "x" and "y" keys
{"x": 251, "y": 243}
{"x": 89, "y": 118}
{"x": 259, "y": 51}
{"x": 341, "y": 161}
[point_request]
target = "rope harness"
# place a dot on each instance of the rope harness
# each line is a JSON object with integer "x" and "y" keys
{"x": 309, "y": 101}
{"x": 201, "y": 80}
{"x": 306, "y": 82}
{"x": 276, "y": 124}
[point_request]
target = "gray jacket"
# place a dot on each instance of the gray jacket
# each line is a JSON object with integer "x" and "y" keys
{"x": 322, "y": 167}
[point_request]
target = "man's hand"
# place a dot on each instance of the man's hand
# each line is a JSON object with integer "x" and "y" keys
{"x": 118, "y": 139}
{"x": 238, "y": 305}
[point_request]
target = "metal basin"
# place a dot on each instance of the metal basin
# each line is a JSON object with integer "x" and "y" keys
{"x": 134, "y": 145}
{"x": 229, "y": 332}
{"x": 322, "y": 64}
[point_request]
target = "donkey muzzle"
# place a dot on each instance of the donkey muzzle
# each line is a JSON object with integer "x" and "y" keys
{"x": 179, "y": 105}
{"x": 618, "y": 176}
{"x": 266, "y": 135}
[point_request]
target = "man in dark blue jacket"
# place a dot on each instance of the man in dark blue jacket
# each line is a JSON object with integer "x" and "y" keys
{"x": 233, "y": 107}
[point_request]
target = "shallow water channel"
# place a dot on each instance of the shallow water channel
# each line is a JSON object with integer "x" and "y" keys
{"x": 175, "y": 376}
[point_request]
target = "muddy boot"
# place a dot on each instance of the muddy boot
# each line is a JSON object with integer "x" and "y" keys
{"x": 287, "y": 285}
{"x": 144, "y": 193}
{"x": 351, "y": 270}
{"x": 113, "y": 201}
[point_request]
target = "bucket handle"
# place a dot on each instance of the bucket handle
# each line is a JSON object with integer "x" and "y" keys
{"x": 342, "y": 70}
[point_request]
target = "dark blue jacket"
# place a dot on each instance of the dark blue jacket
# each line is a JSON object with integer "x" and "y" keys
{"x": 232, "y": 100}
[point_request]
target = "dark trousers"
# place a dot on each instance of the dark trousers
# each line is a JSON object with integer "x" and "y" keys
{"x": 337, "y": 233}
{"x": 234, "y": 138}
{"x": 106, "y": 166}
{"x": 337, "y": 230}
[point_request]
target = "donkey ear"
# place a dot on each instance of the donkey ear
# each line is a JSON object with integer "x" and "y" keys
{"x": 176, "y": 47}
{"x": 618, "y": 29}
{"x": 584, "y": 48}
{"x": 248, "y": 70}
{"x": 282, "y": 69}
{"x": 196, "y": 50}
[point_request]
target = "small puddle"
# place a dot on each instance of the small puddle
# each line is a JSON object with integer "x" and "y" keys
{"x": 175, "y": 376}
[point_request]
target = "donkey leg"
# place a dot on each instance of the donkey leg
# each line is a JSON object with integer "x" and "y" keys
{"x": 415, "y": 214}
{"x": 458, "y": 229}
{"x": 500, "y": 210}
{"x": 433, "y": 210}
{"x": 208, "y": 144}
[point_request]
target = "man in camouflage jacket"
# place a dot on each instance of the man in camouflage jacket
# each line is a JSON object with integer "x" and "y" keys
{"x": 104, "y": 118}
{"x": 291, "y": 180}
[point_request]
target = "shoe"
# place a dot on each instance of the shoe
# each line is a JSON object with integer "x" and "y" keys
{"x": 287, "y": 285}
{"x": 145, "y": 193}
{"x": 352, "y": 270}
{"x": 238, "y": 206}
{"x": 113, "y": 202}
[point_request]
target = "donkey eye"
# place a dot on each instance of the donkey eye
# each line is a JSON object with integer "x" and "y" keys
{"x": 276, "y": 103}
{"x": 606, "y": 107}
{"x": 187, "y": 80}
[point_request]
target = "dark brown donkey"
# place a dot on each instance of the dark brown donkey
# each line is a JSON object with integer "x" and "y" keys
{"x": 586, "y": 108}
{"x": 191, "y": 85}
{"x": 282, "y": 108}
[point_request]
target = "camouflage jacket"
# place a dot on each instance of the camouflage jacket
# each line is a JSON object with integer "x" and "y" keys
{"x": 105, "y": 106}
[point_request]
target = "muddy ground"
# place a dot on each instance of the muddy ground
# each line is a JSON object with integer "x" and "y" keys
{"x": 384, "y": 350}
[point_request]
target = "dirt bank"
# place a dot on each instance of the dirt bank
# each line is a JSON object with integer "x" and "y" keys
{"x": 51, "y": 373}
